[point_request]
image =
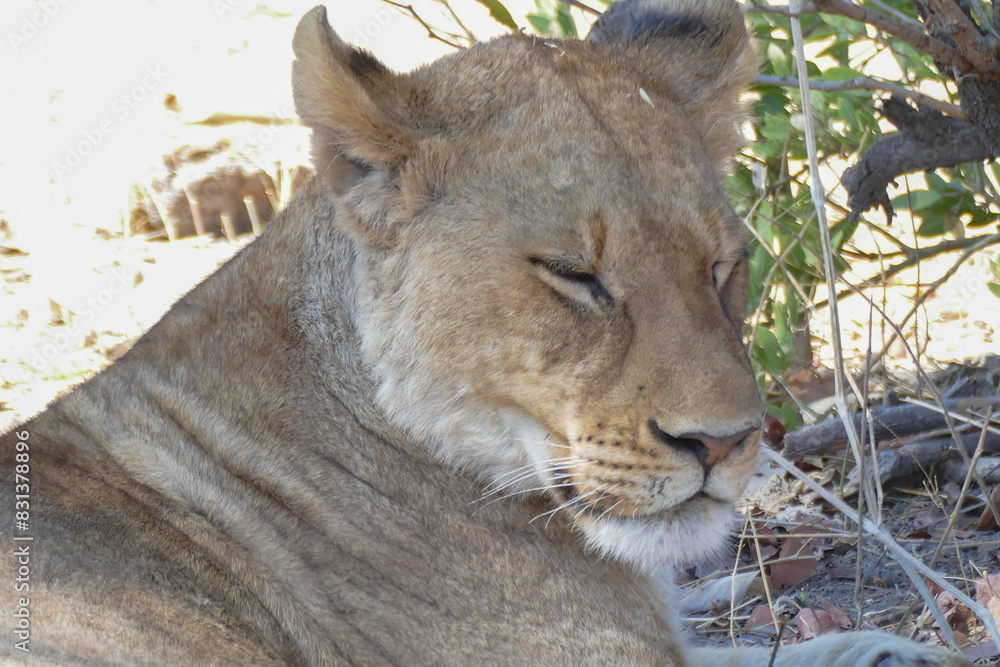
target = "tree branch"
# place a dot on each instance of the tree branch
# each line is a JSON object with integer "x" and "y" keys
{"x": 867, "y": 83}
{"x": 926, "y": 140}
{"x": 941, "y": 52}
{"x": 807, "y": 7}
{"x": 913, "y": 256}
{"x": 582, "y": 7}
{"x": 982, "y": 51}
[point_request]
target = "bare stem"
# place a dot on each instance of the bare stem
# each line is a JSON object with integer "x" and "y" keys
{"x": 430, "y": 31}
{"x": 868, "y": 83}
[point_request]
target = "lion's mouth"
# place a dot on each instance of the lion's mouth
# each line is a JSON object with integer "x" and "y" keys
{"x": 568, "y": 495}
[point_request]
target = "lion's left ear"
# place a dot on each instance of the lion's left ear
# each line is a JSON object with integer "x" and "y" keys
{"x": 346, "y": 96}
{"x": 697, "y": 52}
{"x": 362, "y": 148}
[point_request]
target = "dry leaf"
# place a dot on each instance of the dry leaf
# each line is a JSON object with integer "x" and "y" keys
{"x": 993, "y": 606}
{"x": 957, "y": 615}
{"x": 761, "y": 617}
{"x": 983, "y": 651}
{"x": 814, "y": 622}
{"x": 988, "y": 594}
{"x": 763, "y": 539}
{"x": 987, "y": 521}
{"x": 795, "y": 564}
{"x": 59, "y": 314}
{"x": 987, "y": 587}
{"x": 837, "y": 615}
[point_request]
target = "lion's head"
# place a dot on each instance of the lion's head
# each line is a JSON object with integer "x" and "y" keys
{"x": 552, "y": 284}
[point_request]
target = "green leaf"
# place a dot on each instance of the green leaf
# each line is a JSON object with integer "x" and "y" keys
{"x": 790, "y": 416}
{"x": 540, "y": 23}
{"x": 841, "y": 74}
{"x": 767, "y": 351}
{"x": 839, "y": 50}
{"x": 981, "y": 218}
{"x": 994, "y": 288}
{"x": 566, "y": 22}
{"x": 932, "y": 224}
{"x": 916, "y": 200}
{"x": 500, "y": 13}
{"x": 935, "y": 182}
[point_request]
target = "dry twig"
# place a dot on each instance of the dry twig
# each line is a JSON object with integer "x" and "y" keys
{"x": 910, "y": 564}
{"x": 430, "y": 31}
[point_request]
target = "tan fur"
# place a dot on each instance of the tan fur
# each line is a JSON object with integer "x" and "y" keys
{"x": 468, "y": 400}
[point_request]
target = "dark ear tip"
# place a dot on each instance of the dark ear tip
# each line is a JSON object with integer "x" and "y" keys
{"x": 654, "y": 25}
{"x": 696, "y": 20}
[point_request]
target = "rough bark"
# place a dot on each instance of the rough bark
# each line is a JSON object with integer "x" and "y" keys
{"x": 968, "y": 53}
{"x": 926, "y": 139}
{"x": 898, "y": 421}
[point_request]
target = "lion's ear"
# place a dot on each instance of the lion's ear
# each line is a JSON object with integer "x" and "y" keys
{"x": 696, "y": 51}
{"x": 347, "y": 97}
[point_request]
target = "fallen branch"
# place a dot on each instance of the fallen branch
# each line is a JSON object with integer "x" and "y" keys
{"x": 918, "y": 457}
{"x": 895, "y": 422}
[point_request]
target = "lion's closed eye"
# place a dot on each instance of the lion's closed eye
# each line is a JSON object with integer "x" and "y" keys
{"x": 566, "y": 277}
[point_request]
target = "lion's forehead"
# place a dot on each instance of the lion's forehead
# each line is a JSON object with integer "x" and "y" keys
{"x": 557, "y": 136}
{"x": 576, "y": 102}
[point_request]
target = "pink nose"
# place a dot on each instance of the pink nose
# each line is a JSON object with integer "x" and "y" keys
{"x": 707, "y": 449}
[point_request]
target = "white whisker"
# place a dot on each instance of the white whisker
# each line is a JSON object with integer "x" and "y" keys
{"x": 566, "y": 505}
{"x": 518, "y": 493}
{"x": 554, "y": 469}
{"x": 548, "y": 464}
{"x": 608, "y": 511}
{"x": 546, "y": 443}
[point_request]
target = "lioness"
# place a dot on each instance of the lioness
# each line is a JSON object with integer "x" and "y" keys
{"x": 515, "y": 273}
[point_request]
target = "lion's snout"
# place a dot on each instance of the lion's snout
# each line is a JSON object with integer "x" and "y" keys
{"x": 646, "y": 471}
{"x": 708, "y": 450}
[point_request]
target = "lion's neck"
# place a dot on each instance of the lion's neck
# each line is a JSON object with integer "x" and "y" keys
{"x": 264, "y": 353}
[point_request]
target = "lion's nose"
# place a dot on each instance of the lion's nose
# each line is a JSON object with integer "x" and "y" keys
{"x": 707, "y": 449}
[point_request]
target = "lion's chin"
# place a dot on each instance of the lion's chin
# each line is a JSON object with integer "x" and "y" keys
{"x": 691, "y": 532}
